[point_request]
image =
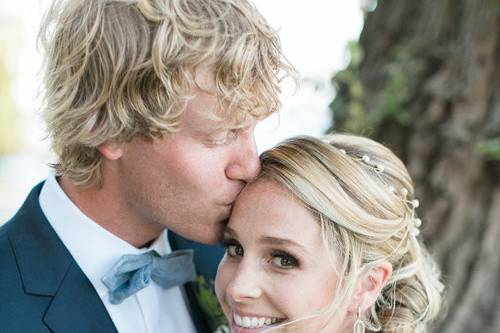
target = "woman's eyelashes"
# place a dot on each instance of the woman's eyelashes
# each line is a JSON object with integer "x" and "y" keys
{"x": 277, "y": 258}
{"x": 282, "y": 259}
{"x": 233, "y": 248}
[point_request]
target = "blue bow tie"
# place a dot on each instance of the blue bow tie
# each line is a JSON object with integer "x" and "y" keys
{"x": 134, "y": 272}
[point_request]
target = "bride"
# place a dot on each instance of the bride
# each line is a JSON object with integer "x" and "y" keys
{"x": 326, "y": 240}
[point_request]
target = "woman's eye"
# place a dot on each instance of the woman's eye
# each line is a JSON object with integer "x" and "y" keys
{"x": 234, "y": 250}
{"x": 284, "y": 260}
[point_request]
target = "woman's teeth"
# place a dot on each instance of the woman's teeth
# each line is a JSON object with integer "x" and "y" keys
{"x": 254, "y": 322}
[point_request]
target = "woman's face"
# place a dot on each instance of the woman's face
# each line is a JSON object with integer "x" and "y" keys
{"x": 276, "y": 268}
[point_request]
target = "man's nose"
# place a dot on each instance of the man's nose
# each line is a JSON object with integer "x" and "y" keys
{"x": 246, "y": 164}
{"x": 245, "y": 285}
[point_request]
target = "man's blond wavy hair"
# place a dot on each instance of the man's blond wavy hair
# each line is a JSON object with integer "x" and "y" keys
{"x": 115, "y": 69}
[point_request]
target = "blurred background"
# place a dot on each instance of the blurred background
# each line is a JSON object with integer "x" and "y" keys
{"x": 423, "y": 77}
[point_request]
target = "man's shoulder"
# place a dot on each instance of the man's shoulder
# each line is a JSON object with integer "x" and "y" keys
{"x": 28, "y": 243}
{"x": 5, "y": 247}
{"x": 29, "y": 207}
{"x": 20, "y": 311}
{"x": 17, "y": 223}
{"x": 10, "y": 277}
{"x": 40, "y": 283}
{"x": 19, "y": 235}
{"x": 13, "y": 225}
{"x": 7, "y": 258}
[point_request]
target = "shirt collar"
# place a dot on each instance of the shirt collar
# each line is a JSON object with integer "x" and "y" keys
{"x": 94, "y": 248}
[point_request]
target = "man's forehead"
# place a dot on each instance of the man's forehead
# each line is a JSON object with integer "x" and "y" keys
{"x": 212, "y": 112}
{"x": 209, "y": 120}
{"x": 204, "y": 77}
{"x": 223, "y": 121}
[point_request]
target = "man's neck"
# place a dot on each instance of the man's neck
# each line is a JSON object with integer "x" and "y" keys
{"x": 104, "y": 208}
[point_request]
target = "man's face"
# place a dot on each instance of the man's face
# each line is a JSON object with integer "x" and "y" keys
{"x": 187, "y": 182}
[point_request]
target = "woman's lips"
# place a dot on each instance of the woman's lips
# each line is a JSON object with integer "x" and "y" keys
{"x": 243, "y": 323}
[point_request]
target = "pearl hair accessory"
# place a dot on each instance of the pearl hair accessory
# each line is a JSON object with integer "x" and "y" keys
{"x": 414, "y": 222}
{"x": 366, "y": 159}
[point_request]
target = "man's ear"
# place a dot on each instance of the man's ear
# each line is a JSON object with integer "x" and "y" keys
{"x": 111, "y": 150}
{"x": 370, "y": 286}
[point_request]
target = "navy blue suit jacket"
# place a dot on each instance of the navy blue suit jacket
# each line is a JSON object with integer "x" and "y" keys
{"x": 42, "y": 289}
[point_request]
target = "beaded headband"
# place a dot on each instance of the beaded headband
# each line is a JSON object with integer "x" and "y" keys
{"x": 414, "y": 223}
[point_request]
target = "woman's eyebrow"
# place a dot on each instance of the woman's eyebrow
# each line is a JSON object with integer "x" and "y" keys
{"x": 271, "y": 240}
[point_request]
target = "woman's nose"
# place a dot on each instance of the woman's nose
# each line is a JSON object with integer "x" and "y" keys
{"x": 245, "y": 285}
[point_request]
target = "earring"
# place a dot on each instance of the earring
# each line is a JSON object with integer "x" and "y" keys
{"x": 359, "y": 325}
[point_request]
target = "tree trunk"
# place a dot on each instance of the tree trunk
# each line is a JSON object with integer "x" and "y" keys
{"x": 428, "y": 86}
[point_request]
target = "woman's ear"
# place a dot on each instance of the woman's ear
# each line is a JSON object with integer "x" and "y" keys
{"x": 111, "y": 150}
{"x": 370, "y": 287}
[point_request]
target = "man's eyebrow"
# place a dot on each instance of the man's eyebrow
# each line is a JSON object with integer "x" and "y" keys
{"x": 225, "y": 125}
{"x": 208, "y": 131}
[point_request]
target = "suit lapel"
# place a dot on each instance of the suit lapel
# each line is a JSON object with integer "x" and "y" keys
{"x": 47, "y": 269}
{"x": 76, "y": 307}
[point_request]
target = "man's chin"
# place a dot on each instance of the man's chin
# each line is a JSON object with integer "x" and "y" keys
{"x": 224, "y": 222}
{"x": 207, "y": 230}
{"x": 215, "y": 236}
{"x": 210, "y": 235}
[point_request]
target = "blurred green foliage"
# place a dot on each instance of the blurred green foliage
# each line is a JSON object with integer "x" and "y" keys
{"x": 395, "y": 93}
{"x": 348, "y": 107}
{"x": 490, "y": 149}
{"x": 9, "y": 135}
{"x": 354, "y": 110}
{"x": 209, "y": 304}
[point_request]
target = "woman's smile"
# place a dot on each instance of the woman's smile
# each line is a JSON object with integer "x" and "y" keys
{"x": 254, "y": 322}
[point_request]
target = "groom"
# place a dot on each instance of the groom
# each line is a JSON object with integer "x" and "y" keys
{"x": 150, "y": 107}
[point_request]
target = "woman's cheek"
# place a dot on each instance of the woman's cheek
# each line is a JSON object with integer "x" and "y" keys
{"x": 222, "y": 280}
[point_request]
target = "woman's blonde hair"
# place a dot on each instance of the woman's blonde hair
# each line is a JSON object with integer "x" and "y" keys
{"x": 115, "y": 69}
{"x": 363, "y": 198}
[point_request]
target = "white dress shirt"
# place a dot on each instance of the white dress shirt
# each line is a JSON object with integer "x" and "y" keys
{"x": 96, "y": 250}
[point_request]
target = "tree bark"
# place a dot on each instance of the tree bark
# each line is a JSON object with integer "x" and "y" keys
{"x": 430, "y": 81}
